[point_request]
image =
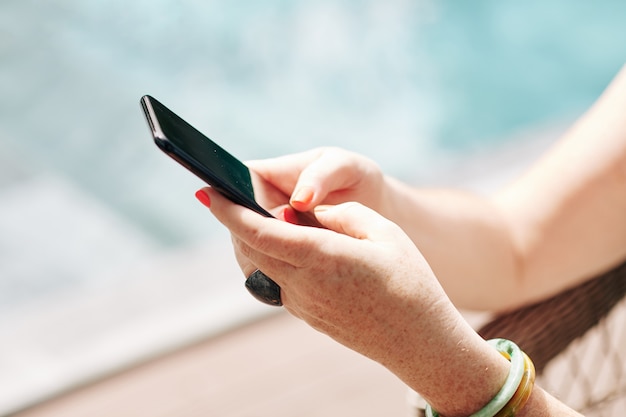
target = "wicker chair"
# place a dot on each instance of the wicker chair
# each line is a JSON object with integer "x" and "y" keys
{"x": 576, "y": 340}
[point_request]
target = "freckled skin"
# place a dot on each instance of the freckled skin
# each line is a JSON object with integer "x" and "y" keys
{"x": 375, "y": 294}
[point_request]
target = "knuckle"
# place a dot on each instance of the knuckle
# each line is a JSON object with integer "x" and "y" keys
{"x": 242, "y": 249}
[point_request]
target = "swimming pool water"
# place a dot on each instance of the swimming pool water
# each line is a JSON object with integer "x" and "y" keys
{"x": 396, "y": 80}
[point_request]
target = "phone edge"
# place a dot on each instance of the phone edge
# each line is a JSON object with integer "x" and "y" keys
{"x": 190, "y": 163}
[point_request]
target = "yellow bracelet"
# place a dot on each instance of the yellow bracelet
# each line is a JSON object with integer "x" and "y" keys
{"x": 522, "y": 394}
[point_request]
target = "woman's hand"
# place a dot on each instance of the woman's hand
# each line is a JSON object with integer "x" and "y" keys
{"x": 319, "y": 176}
{"x": 360, "y": 280}
{"x": 363, "y": 282}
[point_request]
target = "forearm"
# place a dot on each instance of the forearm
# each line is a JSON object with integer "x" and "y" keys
{"x": 435, "y": 352}
{"x": 455, "y": 370}
{"x": 561, "y": 223}
{"x": 568, "y": 214}
{"x": 465, "y": 239}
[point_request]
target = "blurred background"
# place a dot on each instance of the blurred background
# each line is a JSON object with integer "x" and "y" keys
{"x": 105, "y": 256}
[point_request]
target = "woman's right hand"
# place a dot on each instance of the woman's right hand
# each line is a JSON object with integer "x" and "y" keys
{"x": 322, "y": 176}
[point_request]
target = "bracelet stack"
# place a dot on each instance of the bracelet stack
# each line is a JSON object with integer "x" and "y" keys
{"x": 516, "y": 389}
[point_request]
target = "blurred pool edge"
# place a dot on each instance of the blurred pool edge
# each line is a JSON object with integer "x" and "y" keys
{"x": 62, "y": 343}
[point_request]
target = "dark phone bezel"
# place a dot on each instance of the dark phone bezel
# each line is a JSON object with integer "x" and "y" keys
{"x": 184, "y": 158}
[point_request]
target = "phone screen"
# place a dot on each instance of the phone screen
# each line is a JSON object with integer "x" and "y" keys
{"x": 200, "y": 155}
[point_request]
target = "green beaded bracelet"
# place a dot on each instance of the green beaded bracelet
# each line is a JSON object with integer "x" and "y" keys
{"x": 510, "y": 385}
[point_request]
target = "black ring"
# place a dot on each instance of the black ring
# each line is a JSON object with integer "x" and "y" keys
{"x": 264, "y": 289}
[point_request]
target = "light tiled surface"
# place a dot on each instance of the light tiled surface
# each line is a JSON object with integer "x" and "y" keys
{"x": 275, "y": 367}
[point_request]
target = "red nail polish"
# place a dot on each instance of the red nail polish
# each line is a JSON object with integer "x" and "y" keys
{"x": 290, "y": 215}
{"x": 203, "y": 197}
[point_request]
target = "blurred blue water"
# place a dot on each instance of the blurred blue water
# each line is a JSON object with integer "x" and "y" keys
{"x": 396, "y": 80}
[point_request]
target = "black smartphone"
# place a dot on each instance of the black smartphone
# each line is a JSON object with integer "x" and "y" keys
{"x": 200, "y": 155}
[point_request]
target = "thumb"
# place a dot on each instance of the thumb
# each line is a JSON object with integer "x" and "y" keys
{"x": 357, "y": 221}
{"x": 329, "y": 172}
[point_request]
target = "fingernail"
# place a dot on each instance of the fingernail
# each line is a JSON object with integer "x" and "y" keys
{"x": 321, "y": 209}
{"x": 303, "y": 195}
{"x": 263, "y": 288}
{"x": 290, "y": 215}
{"x": 204, "y": 198}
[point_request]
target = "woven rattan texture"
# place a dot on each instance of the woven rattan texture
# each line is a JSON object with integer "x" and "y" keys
{"x": 577, "y": 340}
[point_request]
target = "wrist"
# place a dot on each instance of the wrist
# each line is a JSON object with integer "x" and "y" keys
{"x": 457, "y": 373}
{"x": 471, "y": 381}
{"x": 395, "y": 197}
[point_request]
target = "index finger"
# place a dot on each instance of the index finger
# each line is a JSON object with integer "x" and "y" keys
{"x": 272, "y": 237}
